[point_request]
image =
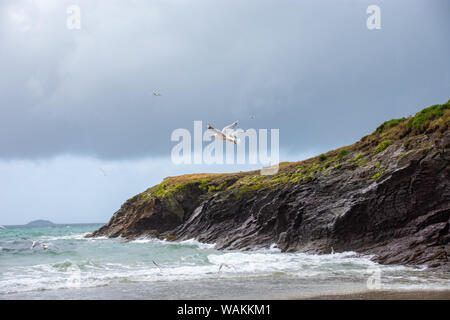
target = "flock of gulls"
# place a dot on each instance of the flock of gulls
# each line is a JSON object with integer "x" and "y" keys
{"x": 228, "y": 133}
{"x": 44, "y": 246}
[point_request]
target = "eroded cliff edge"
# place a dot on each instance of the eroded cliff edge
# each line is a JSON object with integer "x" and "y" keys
{"x": 386, "y": 195}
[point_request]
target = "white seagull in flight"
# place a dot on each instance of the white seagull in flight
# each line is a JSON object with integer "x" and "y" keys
{"x": 228, "y": 133}
{"x": 36, "y": 243}
{"x": 44, "y": 246}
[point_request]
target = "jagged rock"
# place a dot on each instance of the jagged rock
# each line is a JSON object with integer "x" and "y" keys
{"x": 393, "y": 203}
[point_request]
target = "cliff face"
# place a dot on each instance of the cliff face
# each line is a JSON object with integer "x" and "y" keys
{"x": 386, "y": 195}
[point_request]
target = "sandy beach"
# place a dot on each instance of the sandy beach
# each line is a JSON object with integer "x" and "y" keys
{"x": 387, "y": 295}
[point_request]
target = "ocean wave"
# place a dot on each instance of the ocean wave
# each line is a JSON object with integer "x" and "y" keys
{"x": 189, "y": 242}
{"x": 201, "y": 245}
{"x": 88, "y": 273}
{"x": 147, "y": 240}
{"x": 77, "y": 236}
{"x": 99, "y": 262}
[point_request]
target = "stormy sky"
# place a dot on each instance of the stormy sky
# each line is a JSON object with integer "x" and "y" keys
{"x": 80, "y": 129}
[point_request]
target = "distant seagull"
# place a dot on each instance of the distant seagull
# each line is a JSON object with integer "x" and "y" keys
{"x": 37, "y": 243}
{"x": 156, "y": 93}
{"x": 160, "y": 270}
{"x": 104, "y": 172}
{"x": 228, "y": 133}
{"x": 43, "y": 245}
{"x": 252, "y": 117}
{"x": 225, "y": 265}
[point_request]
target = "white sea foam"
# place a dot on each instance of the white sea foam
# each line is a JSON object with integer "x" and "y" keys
{"x": 143, "y": 240}
{"x": 201, "y": 245}
{"x": 102, "y": 262}
{"x": 79, "y": 236}
{"x": 189, "y": 242}
{"x": 99, "y": 238}
{"x": 234, "y": 265}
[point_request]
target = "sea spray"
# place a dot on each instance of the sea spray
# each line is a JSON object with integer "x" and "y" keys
{"x": 74, "y": 262}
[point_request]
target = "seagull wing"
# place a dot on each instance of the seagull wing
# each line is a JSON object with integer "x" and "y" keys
{"x": 229, "y": 127}
{"x": 217, "y": 132}
{"x": 157, "y": 265}
{"x": 35, "y": 243}
{"x": 236, "y": 132}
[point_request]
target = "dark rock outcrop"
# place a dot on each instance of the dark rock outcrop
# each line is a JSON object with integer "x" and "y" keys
{"x": 392, "y": 203}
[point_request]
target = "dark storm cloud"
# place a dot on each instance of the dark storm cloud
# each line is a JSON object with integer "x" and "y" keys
{"x": 310, "y": 68}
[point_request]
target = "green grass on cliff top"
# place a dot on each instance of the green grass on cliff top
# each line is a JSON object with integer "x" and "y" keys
{"x": 429, "y": 120}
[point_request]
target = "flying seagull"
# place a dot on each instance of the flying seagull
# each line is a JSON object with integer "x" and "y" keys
{"x": 37, "y": 243}
{"x": 156, "y": 93}
{"x": 43, "y": 245}
{"x": 225, "y": 265}
{"x": 228, "y": 133}
{"x": 160, "y": 270}
{"x": 104, "y": 172}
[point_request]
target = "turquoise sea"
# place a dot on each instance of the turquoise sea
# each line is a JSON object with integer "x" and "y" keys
{"x": 75, "y": 267}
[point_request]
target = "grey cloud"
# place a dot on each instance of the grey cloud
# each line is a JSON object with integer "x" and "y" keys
{"x": 310, "y": 68}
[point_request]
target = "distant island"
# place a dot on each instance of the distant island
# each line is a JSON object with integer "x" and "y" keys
{"x": 40, "y": 223}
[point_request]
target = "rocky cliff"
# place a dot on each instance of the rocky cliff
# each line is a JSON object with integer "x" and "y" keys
{"x": 387, "y": 195}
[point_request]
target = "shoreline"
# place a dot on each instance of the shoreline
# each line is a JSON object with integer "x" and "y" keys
{"x": 385, "y": 295}
{"x": 361, "y": 295}
{"x": 227, "y": 289}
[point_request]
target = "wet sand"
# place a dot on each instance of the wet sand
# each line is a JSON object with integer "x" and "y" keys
{"x": 232, "y": 289}
{"x": 387, "y": 295}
